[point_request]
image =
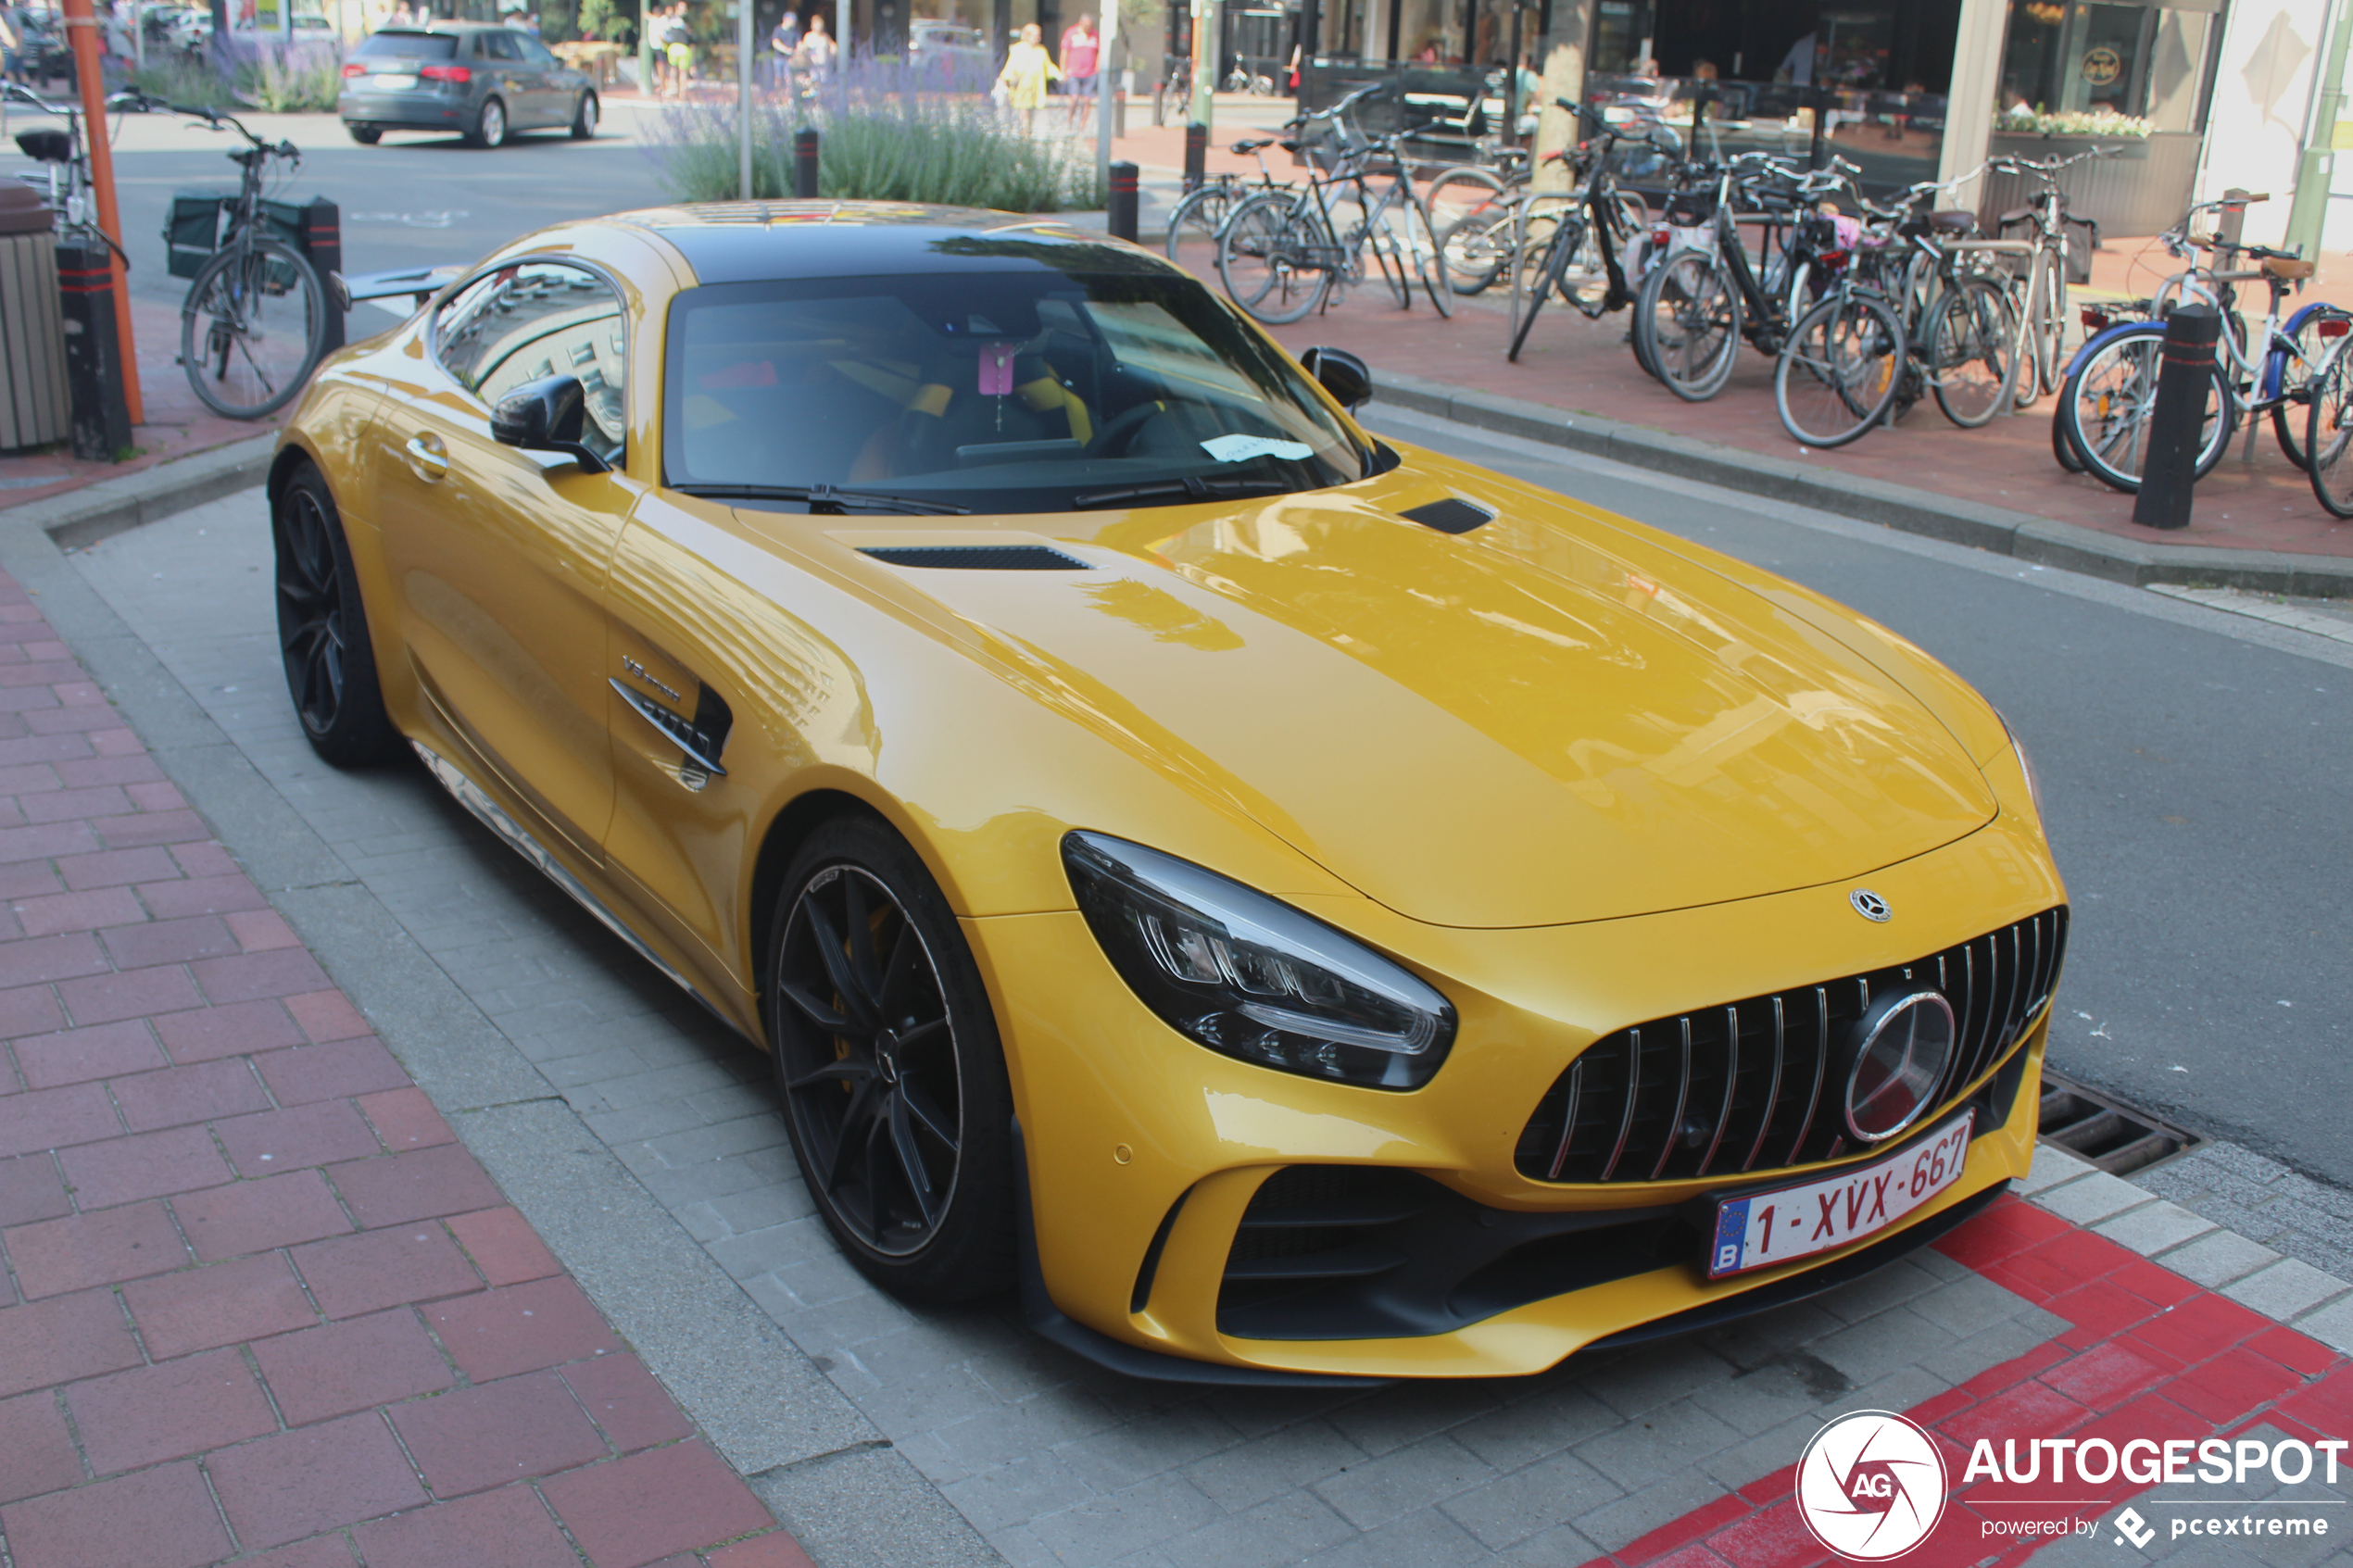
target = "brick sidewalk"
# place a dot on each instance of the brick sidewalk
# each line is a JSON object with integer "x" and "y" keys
{"x": 258, "y": 1306}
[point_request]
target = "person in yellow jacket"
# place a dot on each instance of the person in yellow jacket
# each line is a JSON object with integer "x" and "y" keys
{"x": 1027, "y": 69}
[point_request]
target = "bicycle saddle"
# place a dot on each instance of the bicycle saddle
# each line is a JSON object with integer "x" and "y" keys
{"x": 2288, "y": 270}
{"x": 1244, "y": 149}
{"x": 46, "y": 147}
{"x": 1952, "y": 220}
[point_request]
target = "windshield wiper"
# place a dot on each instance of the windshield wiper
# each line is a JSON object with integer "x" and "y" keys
{"x": 824, "y": 498}
{"x": 1189, "y": 488}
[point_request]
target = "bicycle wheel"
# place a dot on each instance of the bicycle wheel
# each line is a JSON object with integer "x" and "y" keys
{"x": 1568, "y": 233}
{"x": 2046, "y": 332}
{"x": 2288, "y": 376}
{"x": 1193, "y": 228}
{"x": 1429, "y": 261}
{"x": 1466, "y": 191}
{"x": 1267, "y": 258}
{"x": 2062, "y": 448}
{"x": 1838, "y": 372}
{"x": 1973, "y": 351}
{"x": 2328, "y": 433}
{"x": 1472, "y": 249}
{"x": 252, "y": 328}
{"x": 1687, "y": 324}
{"x": 2108, "y": 400}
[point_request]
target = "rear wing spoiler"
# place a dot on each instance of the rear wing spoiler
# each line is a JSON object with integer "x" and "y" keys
{"x": 420, "y": 282}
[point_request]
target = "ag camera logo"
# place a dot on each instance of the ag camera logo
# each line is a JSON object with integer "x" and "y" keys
{"x": 1871, "y": 1485}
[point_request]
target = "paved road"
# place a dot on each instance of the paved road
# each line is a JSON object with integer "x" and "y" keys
{"x": 2196, "y": 772}
{"x": 412, "y": 200}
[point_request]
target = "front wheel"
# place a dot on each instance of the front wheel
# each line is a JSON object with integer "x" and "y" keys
{"x": 2328, "y": 434}
{"x": 366, "y": 135}
{"x": 322, "y": 630}
{"x": 890, "y": 1066}
{"x": 1973, "y": 351}
{"x": 490, "y": 125}
{"x": 1426, "y": 257}
{"x": 2108, "y": 401}
{"x": 583, "y": 119}
{"x": 2289, "y": 373}
{"x": 1687, "y": 326}
{"x": 1267, "y": 260}
{"x": 252, "y": 328}
{"x": 1528, "y": 293}
{"x": 1193, "y": 228}
{"x": 1839, "y": 373}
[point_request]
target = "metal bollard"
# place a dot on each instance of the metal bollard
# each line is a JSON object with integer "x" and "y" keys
{"x": 1196, "y": 156}
{"x": 1122, "y": 201}
{"x": 323, "y": 242}
{"x": 2177, "y": 425}
{"x": 94, "y": 351}
{"x": 804, "y": 162}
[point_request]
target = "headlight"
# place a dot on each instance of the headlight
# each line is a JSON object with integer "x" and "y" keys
{"x": 2025, "y": 764}
{"x": 1255, "y": 978}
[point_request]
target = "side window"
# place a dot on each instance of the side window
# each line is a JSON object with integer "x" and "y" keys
{"x": 540, "y": 319}
{"x": 535, "y": 53}
{"x": 496, "y": 46}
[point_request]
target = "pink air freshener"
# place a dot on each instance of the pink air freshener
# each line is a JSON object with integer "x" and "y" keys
{"x": 996, "y": 369}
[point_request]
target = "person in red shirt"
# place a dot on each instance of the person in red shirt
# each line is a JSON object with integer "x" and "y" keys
{"x": 1082, "y": 51}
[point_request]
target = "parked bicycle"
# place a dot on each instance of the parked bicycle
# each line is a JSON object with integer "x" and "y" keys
{"x": 1201, "y": 219}
{"x": 1587, "y": 235}
{"x": 64, "y": 157}
{"x": 1285, "y": 252}
{"x": 2044, "y": 223}
{"x": 255, "y": 320}
{"x": 2110, "y": 394}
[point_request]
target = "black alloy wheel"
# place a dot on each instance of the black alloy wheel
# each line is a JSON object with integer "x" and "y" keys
{"x": 322, "y": 631}
{"x": 887, "y": 1062}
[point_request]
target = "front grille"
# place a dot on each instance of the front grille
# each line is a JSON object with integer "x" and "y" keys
{"x": 1749, "y": 1086}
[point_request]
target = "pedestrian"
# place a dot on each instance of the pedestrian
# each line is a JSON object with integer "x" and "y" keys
{"x": 11, "y": 46}
{"x": 817, "y": 50}
{"x": 1082, "y": 51}
{"x": 1029, "y": 70}
{"x": 783, "y": 41}
{"x": 679, "y": 45}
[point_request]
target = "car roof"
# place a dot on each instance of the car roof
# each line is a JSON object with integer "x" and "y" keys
{"x": 769, "y": 241}
{"x": 434, "y": 27}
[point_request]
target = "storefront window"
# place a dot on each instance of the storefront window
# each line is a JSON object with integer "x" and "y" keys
{"x": 2069, "y": 57}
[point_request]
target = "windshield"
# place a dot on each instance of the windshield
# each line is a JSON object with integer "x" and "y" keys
{"x": 1018, "y": 391}
{"x": 411, "y": 46}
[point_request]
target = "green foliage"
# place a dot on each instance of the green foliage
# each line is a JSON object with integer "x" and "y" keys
{"x": 293, "y": 83}
{"x": 608, "y": 20}
{"x": 181, "y": 81}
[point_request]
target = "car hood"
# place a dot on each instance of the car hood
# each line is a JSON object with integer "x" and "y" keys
{"x": 1551, "y": 719}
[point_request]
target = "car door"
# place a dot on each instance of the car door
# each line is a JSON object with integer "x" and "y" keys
{"x": 555, "y": 85}
{"x": 511, "y": 80}
{"x": 499, "y": 557}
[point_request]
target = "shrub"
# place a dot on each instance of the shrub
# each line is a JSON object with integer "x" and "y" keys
{"x": 292, "y": 79}
{"x": 181, "y": 79}
{"x": 889, "y": 131}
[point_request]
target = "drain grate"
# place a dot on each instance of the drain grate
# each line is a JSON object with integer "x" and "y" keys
{"x": 2117, "y": 1137}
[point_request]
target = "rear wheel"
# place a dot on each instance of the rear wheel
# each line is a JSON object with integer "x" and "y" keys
{"x": 1424, "y": 257}
{"x": 1472, "y": 249}
{"x": 1973, "y": 351}
{"x": 2289, "y": 377}
{"x": 1687, "y": 325}
{"x": 889, "y": 1068}
{"x": 322, "y": 630}
{"x": 1263, "y": 260}
{"x": 2328, "y": 434}
{"x": 251, "y": 328}
{"x": 490, "y": 125}
{"x": 1193, "y": 227}
{"x": 583, "y": 119}
{"x": 1536, "y": 284}
{"x": 2109, "y": 401}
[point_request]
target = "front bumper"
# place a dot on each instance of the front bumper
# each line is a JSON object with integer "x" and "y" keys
{"x": 1145, "y": 1152}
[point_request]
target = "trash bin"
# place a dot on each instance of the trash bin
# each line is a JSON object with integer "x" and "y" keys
{"x": 35, "y": 408}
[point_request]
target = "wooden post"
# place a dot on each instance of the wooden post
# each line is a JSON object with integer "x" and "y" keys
{"x": 81, "y": 28}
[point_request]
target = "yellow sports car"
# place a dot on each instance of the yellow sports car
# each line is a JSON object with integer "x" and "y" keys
{"x": 1297, "y": 907}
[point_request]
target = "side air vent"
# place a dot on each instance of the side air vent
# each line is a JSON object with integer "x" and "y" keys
{"x": 1453, "y": 515}
{"x": 979, "y": 558}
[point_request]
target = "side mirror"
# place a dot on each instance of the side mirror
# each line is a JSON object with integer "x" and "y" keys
{"x": 547, "y": 414}
{"x": 1347, "y": 378}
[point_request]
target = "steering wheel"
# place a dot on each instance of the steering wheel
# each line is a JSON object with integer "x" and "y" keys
{"x": 1122, "y": 429}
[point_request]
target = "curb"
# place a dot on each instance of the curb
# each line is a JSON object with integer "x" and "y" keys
{"x": 1995, "y": 528}
{"x": 81, "y": 518}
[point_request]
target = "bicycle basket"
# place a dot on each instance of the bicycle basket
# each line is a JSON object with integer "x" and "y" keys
{"x": 1332, "y": 144}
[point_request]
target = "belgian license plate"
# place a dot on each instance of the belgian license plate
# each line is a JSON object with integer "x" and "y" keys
{"x": 394, "y": 83}
{"x": 1764, "y": 1228}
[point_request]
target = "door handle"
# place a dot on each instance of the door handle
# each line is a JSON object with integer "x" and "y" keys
{"x": 427, "y": 459}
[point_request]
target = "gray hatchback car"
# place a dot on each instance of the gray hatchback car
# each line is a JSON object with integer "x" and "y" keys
{"x": 480, "y": 80}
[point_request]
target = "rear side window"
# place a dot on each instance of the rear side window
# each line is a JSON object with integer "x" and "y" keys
{"x": 497, "y": 46}
{"x": 410, "y": 45}
{"x": 540, "y": 319}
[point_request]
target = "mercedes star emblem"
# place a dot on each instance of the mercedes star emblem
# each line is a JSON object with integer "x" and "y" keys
{"x": 1869, "y": 905}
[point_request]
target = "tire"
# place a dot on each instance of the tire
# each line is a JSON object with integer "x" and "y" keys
{"x": 2290, "y": 379}
{"x": 1569, "y": 236}
{"x": 1427, "y": 261}
{"x": 888, "y": 1067}
{"x": 1973, "y": 351}
{"x": 322, "y": 631}
{"x": 366, "y": 135}
{"x": 2328, "y": 434}
{"x": 1472, "y": 250}
{"x": 2062, "y": 448}
{"x": 1473, "y": 200}
{"x": 1839, "y": 373}
{"x": 2044, "y": 334}
{"x": 251, "y": 328}
{"x": 490, "y": 125}
{"x": 1687, "y": 325}
{"x": 1258, "y": 261}
{"x": 2109, "y": 398}
{"x": 1197, "y": 221}
{"x": 583, "y": 119}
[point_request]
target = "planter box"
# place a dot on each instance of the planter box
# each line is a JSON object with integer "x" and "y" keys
{"x": 2142, "y": 189}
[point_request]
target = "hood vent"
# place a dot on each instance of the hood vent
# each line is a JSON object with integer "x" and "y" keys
{"x": 978, "y": 558}
{"x": 1453, "y": 515}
